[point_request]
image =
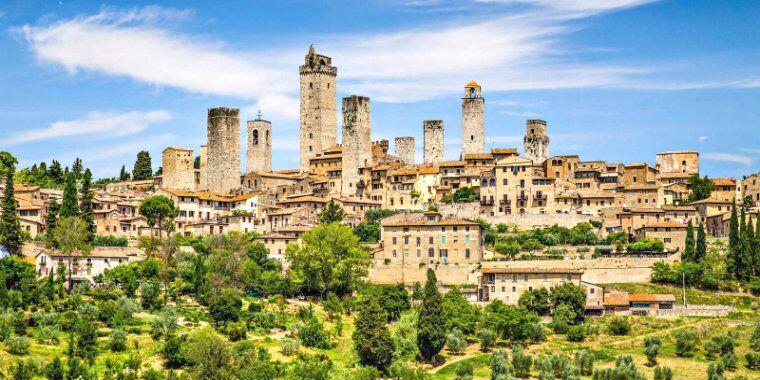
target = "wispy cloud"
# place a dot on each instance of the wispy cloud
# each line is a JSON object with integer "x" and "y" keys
{"x": 95, "y": 123}
{"x": 750, "y": 150}
{"x": 594, "y": 6}
{"x": 729, "y": 157}
{"x": 702, "y": 138}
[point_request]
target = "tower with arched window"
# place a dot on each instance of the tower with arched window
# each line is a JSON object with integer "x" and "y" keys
{"x": 318, "y": 118}
{"x": 473, "y": 125}
{"x": 259, "y": 146}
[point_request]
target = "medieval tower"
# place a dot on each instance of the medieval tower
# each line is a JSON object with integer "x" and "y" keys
{"x": 223, "y": 162}
{"x": 473, "y": 127}
{"x": 405, "y": 149}
{"x": 432, "y": 133}
{"x": 178, "y": 171}
{"x": 356, "y": 142}
{"x": 258, "y": 146}
{"x": 536, "y": 142}
{"x": 317, "y": 118}
{"x": 202, "y": 182}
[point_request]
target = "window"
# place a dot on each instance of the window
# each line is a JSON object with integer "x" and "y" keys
{"x": 467, "y": 253}
{"x": 431, "y": 252}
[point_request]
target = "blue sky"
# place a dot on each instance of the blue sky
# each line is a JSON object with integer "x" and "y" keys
{"x": 617, "y": 80}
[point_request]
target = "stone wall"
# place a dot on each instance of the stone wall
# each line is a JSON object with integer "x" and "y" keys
{"x": 203, "y": 169}
{"x": 694, "y": 311}
{"x": 678, "y": 162}
{"x": 404, "y": 148}
{"x": 178, "y": 172}
{"x": 523, "y": 221}
{"x": 258, "y": 146}
{"x": 223, "y": 166}
{"x": 356, "y": 142}
{"x": 459, "y": 274}
{"x": 536, "y": 142}
{"x": 432, "y": 131}
{"x": 473, "y": 125}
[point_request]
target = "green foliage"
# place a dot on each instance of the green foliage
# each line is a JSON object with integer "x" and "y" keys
{"x": 172, "y": 351}
{"x": 150, "y": 293}
{"x": 584, "y": 360}
{"x": 393, "y": 299}
{"x": 55, "y": 369}
{"x": 456, "y": 342}
{"x": 431, "y": 325}
{"x": 372, "y": 341}
{"x": 500, "y": 367}
{"x": 753, "y": 360}
{"x": 563, "y": 317}
{"x": 537, "y": 301}
{"x": 208, "y": 355}
{"x": 686, "y": 342}
{"x": 70, "y": 202}
{"x": 289, "y": 347}
{"x": 156, "y": 209}
{"x": 110, "y": 241}
{"x": 368, "y": 232}
{"x": 86, "y": 206}
{"x": 487, "y": 337}
{"x": 374, "y": 215}
{"x": 624, "y": 368}
{"x": 10, "y": 226}
{"x": 569, "y": 294}
{"x": 225, "y": 306}
{"x": 701, "y": 188}
{"x": 118, "y": 341}
{"x": 18, "y": 345}
{"x": 459, "y": 313}
{"x": 464, "y": 195}
{"x": 312, "y": 333}
{"x": 331, "y": 213}
{"x": 509, "y": 322}
{"x": 619, "y": 326}
{"x": 508, "y": 248}
{"x": 521, "y": 362}
{"x": 576, "y": 333}
{"x": 536, "y": 333}
{"x": 754, "y": 340}
{"x": 647, "y": 245}
{"x": 651, "y": 350}
{"x": 464, "y": 371}
{"x": 142, "y": 169}
{"x": 310, "y": 367}
{"x": 663, "y": 373}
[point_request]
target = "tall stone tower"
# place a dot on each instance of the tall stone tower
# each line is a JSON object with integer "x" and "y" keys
{"x": 536, "y": 142}
{"x": 405, "y": 149}
{"x": 223, "y": 162}
{"x": 318, "y": 117}
{"x": 203, "y": 169}
{"x": 258, "y": 145}
{"x": 178, "y": 171}
{"x": 356, "y": 142}
{"x": 473, "y": 127}
{"x": 432, "y": 133}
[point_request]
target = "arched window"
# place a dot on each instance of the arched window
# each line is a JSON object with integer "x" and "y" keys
{"x": 484, "y": 182}
{"x": 311, "y": 135}
{"x": 492, "y": 182}
{"x": 255, "y": 137}
{"x": 472, "y": 92}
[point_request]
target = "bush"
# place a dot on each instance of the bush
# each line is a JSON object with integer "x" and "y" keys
{"x": 753, "y": 360}
{"x": 455, "y": 342}
{"x": 236, "y": 331}
{"x": 313, "y": 334}
{"x": 562, "y": 318}
{"x": 110, "y": 241}
{"x": 619, "y": 326}
{"x": 118, "y": 340}
{"x": 18, "y": 345}
{"x": 500, "y": 365}
{"x": 584, "y": 360}
{"x": 487, "y": 338}
{"x": 663, "y": 373}
{"x": 576, "y": 333}
{"x": 651, "y": 350}
{"x": 521, "y": 362}
{"x": 647, "y": 245}
{"x": 686, "y": 342}
{"x": 536, "y": 333}
{"x": 289, "y": 347}
{"x": 463, "y": 371}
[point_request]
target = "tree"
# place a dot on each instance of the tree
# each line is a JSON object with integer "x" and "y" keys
{"x": 368, "y": 232}
{"x": 701, "y": 188}
{"x": 330, "y": 259}
{"x": 51, "y": 220}
{"x": 208, "y": 354}
{"x": 500, "y": 368}
{"x": 508, "y": 248}
{"x": 124, "y": 174}
{"x": 142, "y": 169}
{"x": 459, "y": 313}
{"x": 509, "y": 322}
{"x": 688, "y": 251}
{"x": 700, "y": 251}
{"x": 70, "y": 237}
{"x": 651, "y": 350}
{"x": 54, "y": 370}
{"x": 70, "y": 203}
{"x": 686, "y": 342}
{"x": 521, "y": 361}
{"x": 55, "y": 172}
{"x": 537, "y": 301}
{"x": 431, "y": 326}
{"x": 571, "y": 295}
{"x": 226, "y": 306}
{"x": 372, "y": 341}
{"x": 157, "y": 208}
{"x": 10, "y": 226}
{"x": 464, "y": 195}
{"x": 331, "y": 213}
{"x": 86, "y": 205}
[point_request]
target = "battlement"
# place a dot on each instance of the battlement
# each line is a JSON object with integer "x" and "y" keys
{"x": 223, "y": 112}
{"x": 432, "y": 124}
{"x": 536, "y": 121}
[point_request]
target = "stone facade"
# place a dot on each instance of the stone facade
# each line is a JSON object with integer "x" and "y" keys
{"x": 536, "y": 142}
{"x": 473, "y": 127}
{"x": 432, "y": 132}
{"x": 178, "y": 172}
{"x": 684, "y": 161}
{"x": 203, "y": 169}
{"x": 405, "y": 149}
{"x": 259, "y": 146}
{"x": 223, "y": 162}
{"x": 318, "y": 116}
{"x": 356, "y": 143}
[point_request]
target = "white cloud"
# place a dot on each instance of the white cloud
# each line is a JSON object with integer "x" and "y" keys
{"x": 274, "y": 108}
{"x": 576, "y": 5}
{"x": 95, "y": 123}
{"x": 729, "y": 157}
{"x": 750, "y": 150}
{"x": 702, "y": 138}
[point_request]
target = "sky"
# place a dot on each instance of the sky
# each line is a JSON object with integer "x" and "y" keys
{"x": 616, "y": 80}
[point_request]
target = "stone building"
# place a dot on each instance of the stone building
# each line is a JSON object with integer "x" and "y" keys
{"x": 508, "y": 284}
{"x": 405, "y": 149}
{"x": 473, "y": 127}
{"x": 178, "y": 171}
{"x": 318, "y": 118}
{"x": 432, "y": 132}
{"x": 681, "y": 161}
{"x": 536, "y": 142}
{"x": 203, "y": 168}
{"x": 750, "y": 187}
{"x": 223, "y": 162}
{"x": 259, "y": 146}
{"x": 356, "y": 143}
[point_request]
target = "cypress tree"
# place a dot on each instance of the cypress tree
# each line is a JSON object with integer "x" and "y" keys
{"x": 70, "y": 203}
{"x": 700, "y": 252}
{"x": 123, "y": 174}
{"x": 55, "y": 172}
{"x": 86, "y": 206}
{"x": 431, "y": 326}
{"x": 756, "y": 252}
{"x": 744, "y": 251}
{"x": 142, "y": 169}
{"x": 372, "y": 341}
{"x": 688, "y": 252}
{"x": 51, "y": 220}
{"x": 76, "y": 168}
{"x": 732, "y": 259}
{"x": 10, "y": 227}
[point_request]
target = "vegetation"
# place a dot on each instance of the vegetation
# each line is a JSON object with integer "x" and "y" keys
{"x": 142, "y": 169}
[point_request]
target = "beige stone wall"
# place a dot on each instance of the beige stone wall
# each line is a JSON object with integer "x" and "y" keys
{"x": 750, "y": 186}
{"x": 356, "y": 142}
{"x": 451, "y": 274}
{"x": 318, "y": 118}
{"x": 258, "y": 146}
{"x": 473, "y": 125}
{"x": 678, "y": 162}
{"x": 536, "y": 142}
{"x": 178, "y": 171}
{"x": 404, "y": 148}
{"x": 431, "y": 244}
{"x": 223, "y": 166}
{"x": 203, "y": 170}
{"x": 432, "y": 131}
{"x": 509, "y": 287}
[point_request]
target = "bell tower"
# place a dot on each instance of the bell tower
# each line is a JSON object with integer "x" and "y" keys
{"x": 318, "y": 118}
{"x": 473, "y": 127}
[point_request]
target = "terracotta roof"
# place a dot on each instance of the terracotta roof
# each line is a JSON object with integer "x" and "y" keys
{"x": 446, "y": 164}
{"x": 287, "y": 211}
{"x": 663, "y": 225}
{"x": 19, "y": 188}
{"x": 358, "y": 200}
{"x": 710, "y": 201}
{"x": 478, "y": 156}
{"x": 723, "y": 181}
{"x": 645, "y": 210}
{"x": 646, "y": 297}
{"x": 679, "y": 208}
{"x": 503, "y": 151}
{"x": 531, "y": 271}
{"x": 293, "y": 228}
{"x": 305, "y": 198}
{"x": 616, "y": 299}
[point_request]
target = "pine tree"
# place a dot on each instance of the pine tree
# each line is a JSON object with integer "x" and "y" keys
{"x": 10, "y": 227}
{"x": 331, "y": 213}
{"x": 732, "y": 259}
{"x": 76, "y": 168}
{"x": 688, "y": 252}
{"x": 431, "y": 326}
{"x": 55, "y": 172}
{"x": 123, "y": 174}
{"x": 70, "y": 203}
{"x": 86, "y": 206}
{"x": 142, "y": 169}
{"x": 700, "y": 252}
{"x": 372, "y": 341}
{"x": 51, "y": 220}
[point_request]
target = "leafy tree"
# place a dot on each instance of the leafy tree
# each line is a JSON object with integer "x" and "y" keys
{"x": 156, "y": 209}
{"x": 55, "y": 370}
{"x": 563, "y": 317}
{"x": 576, "y": 333}
{"x": 509, "y": 322}
{"x": 537, "y": 301}
{"x": 372, "y": 341}
{"x": 368, "y": 232}
{"x": 70, "y": 203}
{"x": 86, "y": 205}
{"x": 10, "y": 226}
{"x": 652, "y": 349}
{"x": 459, "y": 313}
{"x": 76, "y": 168}
{"x": 142, "y": 169}
{"x": 330, "y": 259}
{"x": 51, "y": 220}
{"x": 619, "y": 326}
{"x": 312, "y": 333}
{"x": 150, "y": 295}
{"x": 688, "y": 252}
{"x": 393, "y": 299}
{"x": 331, "y": 213}
{"x": 464, "y": 195}
{"x": 456, "y": 342}
{"x": 374, "y": 215}
{"x": 118, "y": 341}
{"x": 508, "y": 248}
{"x": 70, "y": 237}
{"x": 226, "y": 306}
{"x": 521, "y": 361}
{"x": 663, "y": 373}
{"x": 701, "y": 188}
{"x": 754, "y": 340}
{"x": 172, "y": 352}
{"x": 686, "y": 342}
{"x": 431, "y": 326}
{"x": 464, "y": 371}
{"x": 584, "y": 360}
{"x": 569, "y": 294}
{"x": 208, "y": 354}
{"x": 500, "y": 367}
{"x": 487, "y": 338}
{"x": 55, "y": 172}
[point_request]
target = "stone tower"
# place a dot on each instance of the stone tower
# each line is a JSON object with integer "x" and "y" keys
{"x": 536, "y": 142}
{"x": 473, "y": 127}
{"x": 223, "y": 162}
{"x": 405, "y": 149}
{"x": 432, "y": 133}
{"x": 258, "y": 145}
{"x": 356, "y": 143}
{"x": 178, "y": 171}
{"x": 203, "y": 169}
{"x": 318, "y": 117}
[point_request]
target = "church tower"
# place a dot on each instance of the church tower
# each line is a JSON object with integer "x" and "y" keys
{"x": 318, "y": 120}
{"x": 258, "y": 145}
{"x": 473, "y": 127}
{"x": 536, "y": 142}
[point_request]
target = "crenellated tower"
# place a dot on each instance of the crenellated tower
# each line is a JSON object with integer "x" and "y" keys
{"x": 356, "y": 143}
{"x": 536, "y": 142}
{"x": 432, "y": 133}
{"x": 318, "y": 119}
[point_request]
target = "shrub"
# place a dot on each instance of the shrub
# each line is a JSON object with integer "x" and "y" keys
{"x": 521, "y": 362}
{"x": 619, "y": 326}
{"x": 18, "y": 345}
{"x": 584, "y": 360}
{"x": 463, "y": 371}
{"x": 576, "y": 333}
{"x": 753, "y": 360}
{"x": 487, "y": 338}
{"x": 500, "y": 365}
{"x": 118, "y": 340}
{"x": 455, "y": 342}
{"x": 313, "y": 334}
{"x": 647, "y": 245}
{"x": 651, "y": 350}
{"x": 715, "y": 371}
{"x": 289, "y": 347}
{"x": 663, "y": 373}
{"x": 686, "y": 342}
{"x": 536, "y": 333}
{"x": 729, "y": 360}
{"x": 754, "y": 340}
{"x": 562, "y": 317}
{"x": 236, "y": 331}
{"x": 47, "y": 335}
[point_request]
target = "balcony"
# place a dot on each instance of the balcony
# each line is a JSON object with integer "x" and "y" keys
{"x": 522, "y": 197}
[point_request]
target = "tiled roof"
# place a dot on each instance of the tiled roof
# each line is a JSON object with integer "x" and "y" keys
{"x": 646, "y": 297}
{"x": 616, "y": 299}
{"x": 420, "y": 219}
{"x": 306, "y": 198}
{"x": 532, "y": 271}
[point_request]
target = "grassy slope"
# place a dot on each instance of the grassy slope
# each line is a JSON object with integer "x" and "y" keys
{"x": 693, "y": 296}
